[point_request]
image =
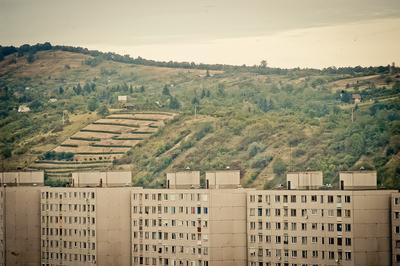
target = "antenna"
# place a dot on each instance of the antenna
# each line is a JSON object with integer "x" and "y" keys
{"x": 352, "y": 115}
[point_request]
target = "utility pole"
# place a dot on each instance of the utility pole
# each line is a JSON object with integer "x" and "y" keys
{"x": 352, "y": 115}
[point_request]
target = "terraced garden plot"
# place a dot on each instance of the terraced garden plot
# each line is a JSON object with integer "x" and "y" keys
{"x": 96, "y": 145}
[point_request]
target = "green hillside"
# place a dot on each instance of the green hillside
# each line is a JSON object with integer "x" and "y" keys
{"x": 260, "y": 120}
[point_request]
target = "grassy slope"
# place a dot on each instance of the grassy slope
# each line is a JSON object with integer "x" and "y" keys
{"x": 307, "y": 126}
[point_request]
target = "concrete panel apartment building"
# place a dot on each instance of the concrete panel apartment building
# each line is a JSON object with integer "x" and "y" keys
{"x": 102, "y": 220}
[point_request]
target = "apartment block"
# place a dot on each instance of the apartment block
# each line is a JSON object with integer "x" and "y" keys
{"x": 103, "y": 220}
{"x": 395, "y": 215}
{"x": 88, "y": 224}
{"x": 350, "y": 226}
{"x": 189, "y": 226}
{"x": 2, "y": 227}
{"x": 20, "y": 203}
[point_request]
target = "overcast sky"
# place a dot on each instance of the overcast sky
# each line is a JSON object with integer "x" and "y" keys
{"x": 287, "y": 33}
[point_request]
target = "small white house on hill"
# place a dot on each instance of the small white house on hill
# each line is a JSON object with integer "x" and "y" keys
{"x": 122, "y": 98}
{"x": 23, "y": 109}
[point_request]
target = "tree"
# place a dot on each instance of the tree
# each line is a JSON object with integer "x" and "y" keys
{"x": 6, "y": 151}
{"x": 345, "y": 97}
{"x": 174, "y": 103}
{"x": 221, "y": 89}
{"x": 264, "y": 105}
{"x": 92, "y": 104}
{"x": 208, "y": 73}
{"x": 36, "y": 105}
{"x": 166, "y": 91}
{"x": 31, "y": 58}
{"x": 78, "y": 89}
{"x": 103, "y": 110}
{"x": 203, "y": 94}
{"x": 279, "y": 167}
{"x": 195, "y": 101}
{"x": 60, "y": 90}
{"x": 355, "y": 144}
{"x": 263, "y": 64}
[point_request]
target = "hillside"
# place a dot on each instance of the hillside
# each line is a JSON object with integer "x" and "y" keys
{"x": 261, "y": 122}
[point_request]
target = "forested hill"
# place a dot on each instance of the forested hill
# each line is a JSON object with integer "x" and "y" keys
{"x": 263, "y": 121}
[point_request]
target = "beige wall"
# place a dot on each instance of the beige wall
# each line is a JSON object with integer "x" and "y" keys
{"x": 22, "y": 225}
{"x": 113, "y": 226}
{"x": 358, "y": 179}
{"x": 106, "y": 179}
{"x": 305, "y": 180}
{"x": 227, "y": 220}
{"x": 223, "y": 179}
{"x": 22, "y": 177}
{"x": 185, "y": 179}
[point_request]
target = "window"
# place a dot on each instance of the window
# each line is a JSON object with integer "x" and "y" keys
{"x": 348, "y": 227}
{"x": 339, "y": 227}
{"x": 347, "y": 213}
{"x": 330, "y": 199}
{"x": 303, "y": 198}
{"x": 347, "y": 199}
{"x": 277, "y": 198}
{"x": 252, "y": 198}
{"x": 285, "y": 198}
{"x": 331, "y": 228}
{"x": 314, "y": 226}
{"x": 347, "y": 241}
{"x": 303, "y": 226}
{"x": 252, "y": 211}
{"x": 331, "y": 255}
{"x": 347, "y": 255}
{"x": 339, "y": 199}
{"x": 313, "y": 198}
{"x": 293, "y": 198}
{"x": 259, "y": 211}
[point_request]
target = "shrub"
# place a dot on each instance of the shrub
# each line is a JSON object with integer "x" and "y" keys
{"x": 279, "y": 167}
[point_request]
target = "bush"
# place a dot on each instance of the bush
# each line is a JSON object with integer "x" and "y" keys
{"x": 279, "y": 167}
{"x": 298, "y": 153}
{"x": 254, "y": 148}
{"x": 206, "y": 128}
{"x": 103, "y": 110}
{"x": 60, "y": 156}
{"x": 262, "y": 162}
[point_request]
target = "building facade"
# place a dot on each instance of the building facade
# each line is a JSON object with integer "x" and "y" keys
{"x": 103, "y": 220}
{"x": 395, "y": 215}
{"x": 320, "y": 227}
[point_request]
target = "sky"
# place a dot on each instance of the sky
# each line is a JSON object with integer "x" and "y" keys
{"x": 286, "y": 33}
